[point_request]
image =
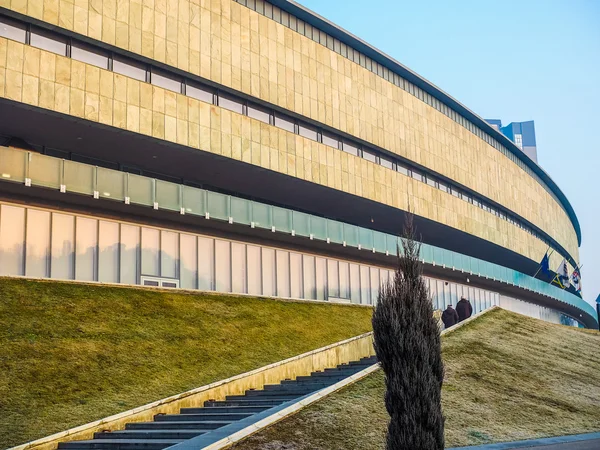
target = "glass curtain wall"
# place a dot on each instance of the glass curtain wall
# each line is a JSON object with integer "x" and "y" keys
{"x": 51, "y": 244}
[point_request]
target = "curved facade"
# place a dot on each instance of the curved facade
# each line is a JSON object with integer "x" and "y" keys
{"x": 267, "y": 103}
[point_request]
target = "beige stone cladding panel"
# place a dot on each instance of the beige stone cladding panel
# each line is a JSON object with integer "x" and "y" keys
{"x": 64, "y": 85}
{"x": 230, "y": 44}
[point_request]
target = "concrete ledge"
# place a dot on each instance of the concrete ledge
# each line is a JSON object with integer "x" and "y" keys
{"x": 303, "y": 403}
{"x": 330, "y": 356}
{"x": 535, "y": 442}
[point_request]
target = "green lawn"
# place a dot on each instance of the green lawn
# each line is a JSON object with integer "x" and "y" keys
{"x": 508, "y": 377}
{"x": 73, "y": 353}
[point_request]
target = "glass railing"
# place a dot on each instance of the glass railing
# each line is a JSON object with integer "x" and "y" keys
{"x": 35, "y": 169}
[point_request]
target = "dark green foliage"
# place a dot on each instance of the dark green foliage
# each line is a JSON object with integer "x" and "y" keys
{"x": 407, "y": 342}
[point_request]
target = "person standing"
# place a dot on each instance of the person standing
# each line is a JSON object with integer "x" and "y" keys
{"x": 449, "y": 317}
{"x": 464, "y": 309}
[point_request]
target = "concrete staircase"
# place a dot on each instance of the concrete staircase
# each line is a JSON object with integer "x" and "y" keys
{"x": 170, "y": 429}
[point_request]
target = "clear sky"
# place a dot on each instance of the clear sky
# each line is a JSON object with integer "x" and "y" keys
{"x": 510, "y": 60}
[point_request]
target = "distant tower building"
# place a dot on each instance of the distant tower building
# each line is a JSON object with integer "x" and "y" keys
{"x": 521, "y": 133}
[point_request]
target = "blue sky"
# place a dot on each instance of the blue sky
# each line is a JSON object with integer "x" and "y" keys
{"x": 510, "y": 60}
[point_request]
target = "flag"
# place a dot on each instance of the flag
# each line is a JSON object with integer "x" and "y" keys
{"x": 576, "y": 280}
{"x": 562, "y": 275}
{"x": 545, "y": 265}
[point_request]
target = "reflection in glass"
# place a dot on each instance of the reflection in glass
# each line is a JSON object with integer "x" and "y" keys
{"x": 130, "y": 69}
{"x": 38, "y": 243}
{"x": 49, "y": 41}
{"x": 12, "y": 240}
{"x": 150, "y": 251}
{"x": 333, "y": 278}
{"x": 130, "y": 243}
{"x": 344, "y": 280}
{"x": 283, "y": 273}
{"x": 89, "y": 55}
{"x": 206, "y": 263}
{"x": 188, "y": 261}
{"x": 63, "y": 248}
{"x": 365, "y": 286}
{"x": 222, "y": 265}
{"x": 269, "y": 272}
{"x": 12, "y": 30}
{"x": 254, "y": 266}
{"x": 169, "y": 255}
{"x": 354, "y": 283}
{"x": 310, "y": 286}
{"x": 296, "y": 285}
{"x": 108, "y": 252}
{"x": 321, "y": 278}
{"x": 85, "y": 248}
{"x": 238, "y": 267}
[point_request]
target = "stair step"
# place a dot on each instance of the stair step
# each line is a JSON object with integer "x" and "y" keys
{"x": 292, "y": 392}
{"x": 120, "y": 444}
{"x": 193, "y": 418}
{"x": 315, "y": 386}
{"x": 217, "y": 417}
{"x": 224, "y": 409}
{"x": 151, "y": 434}
{"x": 280, "y": 398}
{"x": 174, "y": 425}
{"x": 244, "y": 401}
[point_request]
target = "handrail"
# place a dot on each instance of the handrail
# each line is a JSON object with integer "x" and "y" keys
{"x": 34, "y": 169}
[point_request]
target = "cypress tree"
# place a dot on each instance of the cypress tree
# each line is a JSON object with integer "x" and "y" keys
{"x": 407, "y": 343}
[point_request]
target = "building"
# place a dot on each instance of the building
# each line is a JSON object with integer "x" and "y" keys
{"x": 254, "y": 147}
{"x": 521, "y": 133}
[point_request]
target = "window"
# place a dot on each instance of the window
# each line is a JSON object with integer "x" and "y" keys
{"x": 369, "y": 156}
{"x": 258, "y": 113}
{"x": 402, "y": 169}
{"x": 89, "y": 55}
{"x": 442, "y": 186}
{"x": 331, "y": 140}
{"x": 455, "y": 192}
{"x": 12, "y": 30}
{"x": 417, "y": 175}
{"x": 231, "y": 104}
{"x": 129, "y": 69}
{"x": 386, "y": 163}
{"x": 430, "y": 181}
{"x": 165, "y": 81}
{"x": 199, "y": 93}
{"x": 519, "y": 141}
{"x": 350, "y": 148}
{"x": 307, "y": 132}
{"x": 284, "y": 122}
{"x": 49, "y": 41}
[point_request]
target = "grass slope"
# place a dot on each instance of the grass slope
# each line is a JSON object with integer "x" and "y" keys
{"x": 508, "y": 377}
{"x": 72, "y": 353}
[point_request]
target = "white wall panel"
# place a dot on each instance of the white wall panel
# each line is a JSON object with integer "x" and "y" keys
{"x": 169, "y": 254}
{"x": 222, "y": 265}
{"x": 12, "y": 240}
{"x": 130, "y": 250}
{"x": 188, "y": 261}
{"x": 108, "y": 252}
{"x": 296, "y": 282}
{"x": 63, "y": 246}
{"x": 254, "y": 265}
{"x": 86, "y": 246}
{"x": 238, "y": 268}
{"x": 269, "y": 272}
{"x": 206, "y": 263}
{"x": 38, "y": 243}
